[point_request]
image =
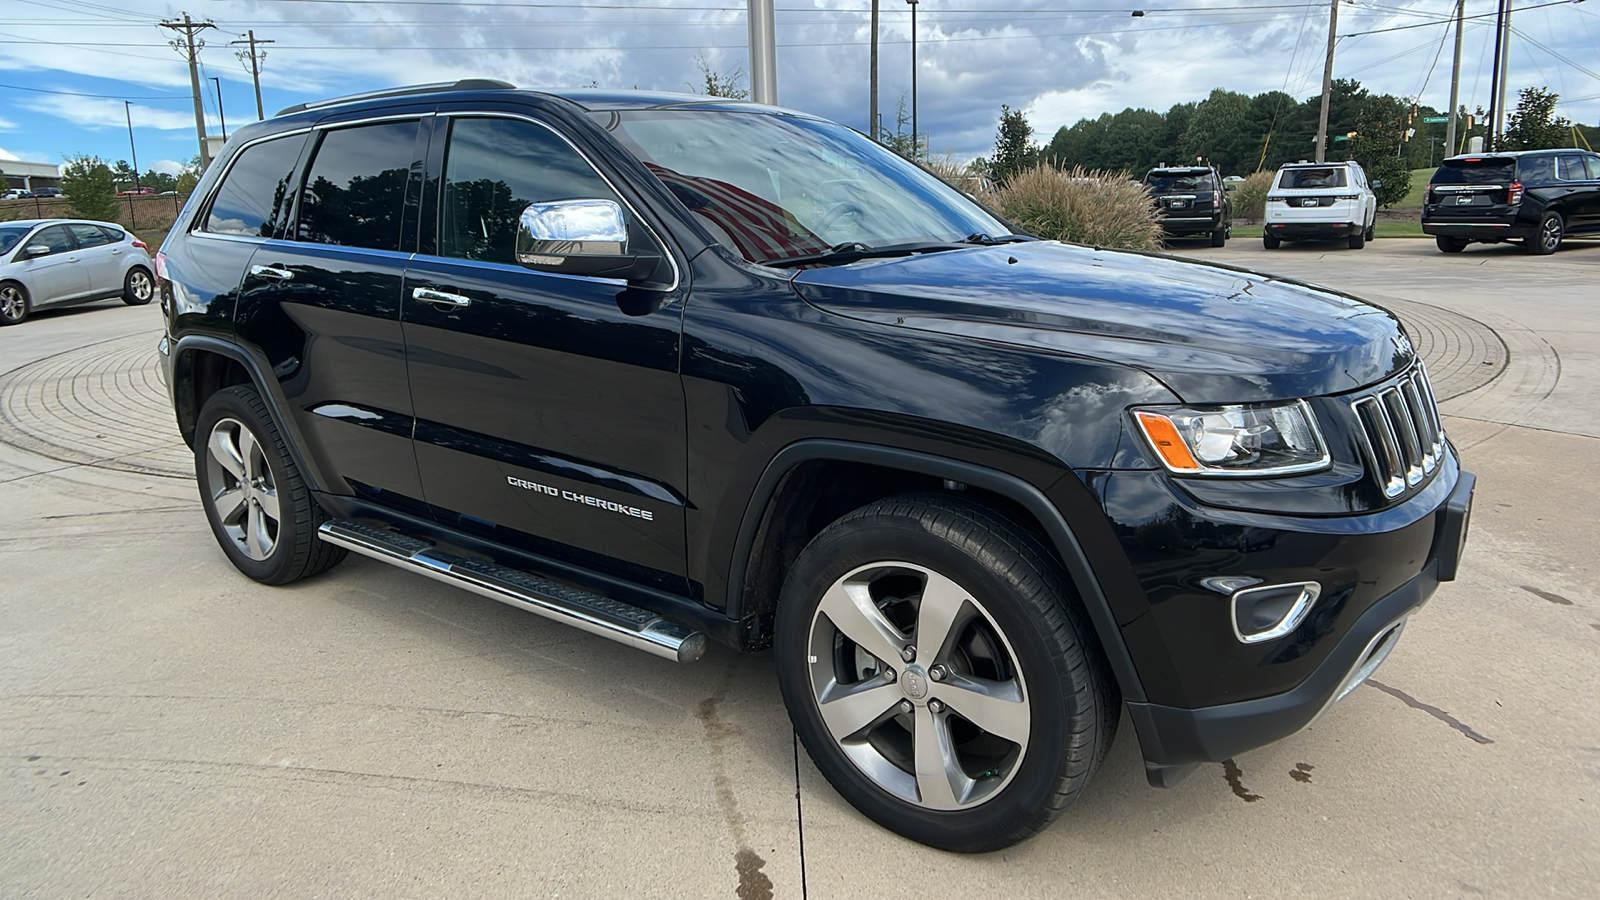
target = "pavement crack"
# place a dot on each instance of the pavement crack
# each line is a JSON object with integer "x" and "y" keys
{"x": 1431, "y": 710}
{"x": 1232, "y": 774}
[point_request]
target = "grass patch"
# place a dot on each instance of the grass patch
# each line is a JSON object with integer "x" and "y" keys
{"x": 1381, "y": 230}
{"x": 1419, "y": 181}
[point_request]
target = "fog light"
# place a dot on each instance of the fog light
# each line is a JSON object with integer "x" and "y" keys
{"x": 1272, "y": 611}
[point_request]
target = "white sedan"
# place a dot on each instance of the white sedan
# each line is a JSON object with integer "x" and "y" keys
{"x": 62, "y": 262}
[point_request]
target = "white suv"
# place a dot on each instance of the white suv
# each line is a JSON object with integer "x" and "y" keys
{"x": 1319, "y": 201}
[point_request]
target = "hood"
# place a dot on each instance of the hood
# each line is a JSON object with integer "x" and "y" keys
{"x": 1211, "y": 334}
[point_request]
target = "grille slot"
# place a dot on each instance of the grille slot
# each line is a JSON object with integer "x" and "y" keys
{"x": 1401, "y": 431}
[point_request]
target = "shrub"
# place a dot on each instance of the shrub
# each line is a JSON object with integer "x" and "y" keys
{"x": 1105, "y": 209}
{"x": 966, "y": 179}
{"x": 86, "y": 182}
{"x": 1250, "y": 197}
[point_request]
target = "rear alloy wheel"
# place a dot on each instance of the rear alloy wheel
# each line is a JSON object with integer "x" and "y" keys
{"x": 939, "y": 675}
{"x": 1450, "y": 244}
{"x": 1548, "y": 240}
{"x": 14, "y": 306}
{"x": 1270, "y": 242}
{"x": 138, "y": 287}
{"x": 1358, "y": 239}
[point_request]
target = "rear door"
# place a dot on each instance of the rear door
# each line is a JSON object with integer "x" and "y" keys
{"x": 1582, "y": 201}
{"x": 323, "y": 303}
{"x": 101, "y": 257}
{"x": 548, "y": 415}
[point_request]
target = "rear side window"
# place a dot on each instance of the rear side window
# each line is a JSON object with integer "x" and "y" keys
{"x": 1571, "y": 168}
{"x": 355, "y": 190}
{"x": 256, "y": 189}
{"x": 89, "y": 235}
{"x": 496, "y": 167}
{"x": 1536, "y": 169}
{"x": 1475, "y": 170}
{"x": 1321, "y": 177}
{"x": 112, "y": 234}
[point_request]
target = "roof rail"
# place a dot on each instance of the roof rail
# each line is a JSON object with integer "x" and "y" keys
{"x": 465, "y": 84}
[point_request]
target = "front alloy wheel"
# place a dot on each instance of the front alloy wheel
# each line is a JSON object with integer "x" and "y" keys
{"x": 242, "y": 494}
{"x": 138, "y": 287}
{"x": 918, "y": 686}
{"x": 13, "y": 304}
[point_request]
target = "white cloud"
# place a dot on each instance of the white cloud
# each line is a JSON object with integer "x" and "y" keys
{"x": 25, "y": 156}
{"x": 96, "y": 113}
{"x": 7, "y": 154}
{"x": 7, "y": 124}
{"x": 166, "y": 167}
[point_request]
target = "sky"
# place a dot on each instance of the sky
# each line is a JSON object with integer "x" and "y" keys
{"x": 73, "y": 72}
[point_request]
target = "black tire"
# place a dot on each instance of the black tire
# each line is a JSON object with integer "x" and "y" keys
{"x": 1219, "y": 237}
{"x": 14, "y": 303}
{"x": 1072, "y": 701}
{"x": 1450, "y": 244}
{"x": 1372, "y": 229}
{"x": 138, "y": 286}
{"x": 1547, "y": 240}
{"x": 1358, "y": 239}
{"x": 295, "y": 552}
{"x": 1270, "y": 242}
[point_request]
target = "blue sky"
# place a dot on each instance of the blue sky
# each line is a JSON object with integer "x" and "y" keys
{"x": 67, "y": 66}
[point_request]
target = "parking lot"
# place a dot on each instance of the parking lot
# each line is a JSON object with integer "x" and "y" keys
{"x": 170, "y": 728}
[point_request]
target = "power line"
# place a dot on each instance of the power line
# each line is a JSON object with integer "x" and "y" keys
{"x": 18, "y": 87}
{"x": 1436, "y": 22}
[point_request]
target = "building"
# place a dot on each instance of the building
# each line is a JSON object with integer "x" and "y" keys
{"x": 29, "y": 175}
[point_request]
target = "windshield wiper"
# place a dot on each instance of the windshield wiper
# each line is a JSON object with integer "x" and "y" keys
{"x": 852, "y": 251}
{"x": 989, "y": 241}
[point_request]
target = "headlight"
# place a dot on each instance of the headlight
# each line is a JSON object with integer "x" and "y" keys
{"x": 1267, "y": 439}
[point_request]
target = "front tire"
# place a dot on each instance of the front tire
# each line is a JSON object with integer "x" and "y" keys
{"x": 1552, "y": 229}
{"x": 14, "y": 303}
{"x": 940, "y": 674}
{"x": 259, "y": 507}
{"x": 138, "y": 286}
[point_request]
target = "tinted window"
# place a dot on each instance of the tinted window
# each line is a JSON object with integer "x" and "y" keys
{"x": 1179, "y": 181}
{"x": 89, "y": 235}
{"x": 1475, "y": 170}
{"x": 1594, "y": 167}
{"x": 10, "y": 234}
{"x": 496, "y": 167}
{"x": 1536, "y": 169}
{"x": 355, "y": 190}
{"x": 112, "y": 234}
{"x": 1571, "y": 168}
{"x": 1326, "y": 177}
{"x": 55, "y": 237}
{"x": 256, "y": 189}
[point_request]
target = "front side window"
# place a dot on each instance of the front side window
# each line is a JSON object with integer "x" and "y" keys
{"x": 493, "y": 169}
{"x": 355, "y": 190}
{"x": 55, "y": 237}
{"x": 256, "y": 189}
{"x": 772, "y": 187}
{"x": 89, "y": 235}
{"x": 1321, "y": 177}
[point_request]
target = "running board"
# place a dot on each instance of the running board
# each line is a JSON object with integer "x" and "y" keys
{"x": 594, "y": 613}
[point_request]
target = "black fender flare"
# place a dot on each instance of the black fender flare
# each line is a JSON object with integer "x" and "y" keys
{"x": 277, "y": 405}
{"x": 1057, "y": 530}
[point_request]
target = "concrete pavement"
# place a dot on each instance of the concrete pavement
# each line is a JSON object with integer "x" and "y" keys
{"x": 170, "y": 728}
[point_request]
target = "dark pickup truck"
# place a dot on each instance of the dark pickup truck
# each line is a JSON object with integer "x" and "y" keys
{"x": 675, "y": 369}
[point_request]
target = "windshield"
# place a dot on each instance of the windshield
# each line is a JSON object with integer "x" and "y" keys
{"x": 772, "y": 187}
{"x": 1475, "y": 171}
{"x": 1161, "y": 182}
{"x": 1332, "y": 176}
{"x": 10, "y": 234}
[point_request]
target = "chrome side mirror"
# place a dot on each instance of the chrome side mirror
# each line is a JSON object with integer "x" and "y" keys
{"x": 581, "y": 237}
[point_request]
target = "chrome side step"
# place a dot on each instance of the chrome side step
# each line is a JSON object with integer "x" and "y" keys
{"x": 594, "y": 613}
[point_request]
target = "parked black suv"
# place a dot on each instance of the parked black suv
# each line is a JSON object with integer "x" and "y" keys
{"x": 1539, "y": 196}
{"x": 1193, "y": 200}
{"x": 672, "y": 368}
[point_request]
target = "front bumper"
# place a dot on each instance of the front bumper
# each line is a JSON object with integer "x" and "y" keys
{"x": 1174, "y": 739}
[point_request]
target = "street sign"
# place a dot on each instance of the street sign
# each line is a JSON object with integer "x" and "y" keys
{"x": 1435, "y": 120}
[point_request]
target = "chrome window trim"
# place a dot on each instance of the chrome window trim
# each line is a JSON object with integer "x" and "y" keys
{"x": 197, "y": 223}
{"x": 451, "y": 115}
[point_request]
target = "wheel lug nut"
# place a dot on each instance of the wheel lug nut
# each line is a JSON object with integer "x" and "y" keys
{"x": 934, "y": 706}
{"x": 890, "y": 674}
{"x": 908, "y": 654}
{"x": 905, "y": 707}
{"x": 937, "y": 673}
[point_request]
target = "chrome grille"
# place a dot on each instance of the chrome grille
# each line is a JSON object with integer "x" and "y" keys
{"x": 1401, "y": 432}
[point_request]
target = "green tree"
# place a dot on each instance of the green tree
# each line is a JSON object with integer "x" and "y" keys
{"x": 122, "y": 174}
{"x": 86, "y": 182}
{"x": 189, "y": 177}
{"x": 902, "y": 141}
{"x": 1380, "y": 127}
{"x": 1013, "y": 146}
{"x": 718, "y": 84}
{"x": 1534, "y": 124}
{"x": 1217, "y": 133}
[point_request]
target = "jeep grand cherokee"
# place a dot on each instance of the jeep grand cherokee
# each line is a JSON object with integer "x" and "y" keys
{"x": 670, "y": 369}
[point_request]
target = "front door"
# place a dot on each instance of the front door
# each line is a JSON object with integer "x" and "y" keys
{"x": 547, "y": 417}
{"x": 58, "y": 276}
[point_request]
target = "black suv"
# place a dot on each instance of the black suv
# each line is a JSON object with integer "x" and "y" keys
{"x": 671, "y": 368}
{"x": 1192, "y": 200}
{"x": 1539, "y": 196}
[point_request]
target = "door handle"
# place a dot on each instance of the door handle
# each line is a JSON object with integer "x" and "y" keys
{"x": 433, "y": 296}
{"x": 272, "y": 272}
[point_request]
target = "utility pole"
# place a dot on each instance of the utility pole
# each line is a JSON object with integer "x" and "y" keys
{"x": 763, "y": 53}
{"x": 255, "y": 65}
{"x": 914, "y": 133}
{"x": 872, "y": 108}
{"x": 220, "y": 114}
{"x": 1505, "y": 75}
{"x": 127, "y": 110}
{"x": 1494, "y": 79}
{"x": 1455, "y": 88}
{"x": 1327, "y": 83}
{"x": 188, "y": 47}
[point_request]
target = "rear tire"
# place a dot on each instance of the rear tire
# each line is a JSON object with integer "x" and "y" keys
{"x": 1270, "y": 242}
{"x": 259, "y": 507}
{"x": 1002, "y": 642}
{"x": 138, "y": 286}
{"x": 1552, "y": 229}
{"x": 1219, "y": 237}
{"x": 1450, "y": 244}
{"x": 14, "y": 303}
{"x": 1358, "y": 239}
